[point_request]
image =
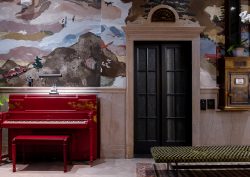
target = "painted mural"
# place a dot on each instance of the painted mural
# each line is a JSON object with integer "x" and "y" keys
{"x": 83, "y": 39}
{"x": 211, "y": 15}
{"x": 62, "y": 36}
{"x": 245, "y": 25}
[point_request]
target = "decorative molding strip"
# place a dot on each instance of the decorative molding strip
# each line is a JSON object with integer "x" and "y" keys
{"x": 207, "y": 90}
{"x": 62, "y": 90}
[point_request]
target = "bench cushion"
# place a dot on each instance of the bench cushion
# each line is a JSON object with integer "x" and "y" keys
{"x": 229, "y": 153}
{"x": 41, "y": 138}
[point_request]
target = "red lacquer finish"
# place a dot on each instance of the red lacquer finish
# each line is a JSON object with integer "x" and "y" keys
{"x": 42, "y": 114}
{"x": 0, "y": 138}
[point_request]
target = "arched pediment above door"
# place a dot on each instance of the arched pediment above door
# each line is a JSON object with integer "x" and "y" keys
{"x": 164, "y": 15}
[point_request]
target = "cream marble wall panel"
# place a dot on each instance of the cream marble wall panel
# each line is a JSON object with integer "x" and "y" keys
{"x": 223, "y": 127}
{"x": 219, "y": 129}
{"x": 112, "y": 125}
{"x": 240, "y": 127}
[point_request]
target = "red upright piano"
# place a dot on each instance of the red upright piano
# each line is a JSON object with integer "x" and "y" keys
{"x": 42, "y": 114}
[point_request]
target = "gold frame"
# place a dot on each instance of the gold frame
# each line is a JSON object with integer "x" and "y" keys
{"x": 239, "y": 66}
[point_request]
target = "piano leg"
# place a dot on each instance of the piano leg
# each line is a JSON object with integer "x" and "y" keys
{"x": 1, "y": 134}
{"x": 14, "y": 156}
{"x": 91, "y": 136}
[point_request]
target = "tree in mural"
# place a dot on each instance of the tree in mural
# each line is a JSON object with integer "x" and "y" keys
{"x": 37, "y": 64}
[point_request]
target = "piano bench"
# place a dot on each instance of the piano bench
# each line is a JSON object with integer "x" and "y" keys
{"x": 63, "y": 139}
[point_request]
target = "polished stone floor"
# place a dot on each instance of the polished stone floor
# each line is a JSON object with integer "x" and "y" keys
{"x": 101, "y": 168}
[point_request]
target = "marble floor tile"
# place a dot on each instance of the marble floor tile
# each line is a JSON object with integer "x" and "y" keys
{"x": 101, "y": 168}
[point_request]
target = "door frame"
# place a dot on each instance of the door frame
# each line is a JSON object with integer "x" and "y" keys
{"x": 161, "y": 31}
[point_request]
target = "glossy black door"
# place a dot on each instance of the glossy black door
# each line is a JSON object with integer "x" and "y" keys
{"x": 162, "y": 94}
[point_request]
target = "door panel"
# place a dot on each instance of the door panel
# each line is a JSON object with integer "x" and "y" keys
{"x": 162, "y": 95}
{"x": 176, "y": 94}
{"x": 146, "y": 131}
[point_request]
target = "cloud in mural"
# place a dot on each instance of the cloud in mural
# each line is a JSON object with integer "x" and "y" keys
{"x": 76, "y": 29}
{"x": 63, "y": 38}
{"x": 60, "y": 9}
{"x": 8, "y": 11}
{"x": 8, "y": 44}
{"x": 123, "y": 13}
{"x": 87, "y": 19}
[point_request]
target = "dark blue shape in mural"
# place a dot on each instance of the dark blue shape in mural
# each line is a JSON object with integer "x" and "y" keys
{"x": 102, "y": 28}
{"x": 71, "y": 38}
{"x": 116, "y": 31}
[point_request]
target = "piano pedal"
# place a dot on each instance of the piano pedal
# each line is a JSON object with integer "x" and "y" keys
{"x": 5, "y": 160}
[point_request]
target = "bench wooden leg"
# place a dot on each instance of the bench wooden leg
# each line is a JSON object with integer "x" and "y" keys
{"x": 14, "y": 156}
{"x": 176, "y": 169}
{"x": 168, "y": 166}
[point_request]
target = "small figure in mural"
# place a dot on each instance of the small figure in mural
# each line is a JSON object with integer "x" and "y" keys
{"x": 37, "y": 64}
{"x": 108, "y": 3}
{"x": 73, "y": 18}
{"x": 30, "y": 81}
{"x": 63, "y": 22}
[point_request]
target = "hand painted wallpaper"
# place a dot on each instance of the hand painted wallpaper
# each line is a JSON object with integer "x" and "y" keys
{"x": 69, "y": 37}
{"x": 83, "y": 39}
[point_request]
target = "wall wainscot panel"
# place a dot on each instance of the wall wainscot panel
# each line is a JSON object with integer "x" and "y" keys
{"x": 112, "y": 116}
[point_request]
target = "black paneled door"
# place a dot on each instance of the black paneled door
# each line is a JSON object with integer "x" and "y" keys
{"x": 162, "y": 95}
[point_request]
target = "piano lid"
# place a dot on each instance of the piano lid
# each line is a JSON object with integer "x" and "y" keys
{"x": 44, "y": 102}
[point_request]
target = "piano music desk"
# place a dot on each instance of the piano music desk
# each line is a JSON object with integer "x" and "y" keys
{"x": 63, "y": 139}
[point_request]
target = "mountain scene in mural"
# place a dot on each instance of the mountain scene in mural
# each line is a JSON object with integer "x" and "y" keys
{"x": 79, "y": 64}
{"x": 68, "y": 37}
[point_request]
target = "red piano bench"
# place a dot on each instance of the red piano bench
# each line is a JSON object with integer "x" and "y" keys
{"x": 63, "y": 139}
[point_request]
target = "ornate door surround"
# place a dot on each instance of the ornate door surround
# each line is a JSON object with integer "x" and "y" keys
{"x": 163, "y": 29}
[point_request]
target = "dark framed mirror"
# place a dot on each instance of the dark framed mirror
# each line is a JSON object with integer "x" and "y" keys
{"x": 232, "y": 22}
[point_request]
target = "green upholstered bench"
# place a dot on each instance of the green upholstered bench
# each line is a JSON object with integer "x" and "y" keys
{"x": 185, "y": 154}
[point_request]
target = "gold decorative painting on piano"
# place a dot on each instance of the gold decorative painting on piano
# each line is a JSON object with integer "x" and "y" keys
{"x": 15, "y": 105}
{"x": 83, "y": 105}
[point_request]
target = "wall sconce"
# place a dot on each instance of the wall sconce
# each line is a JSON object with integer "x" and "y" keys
{"x": 53, "y": 76}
